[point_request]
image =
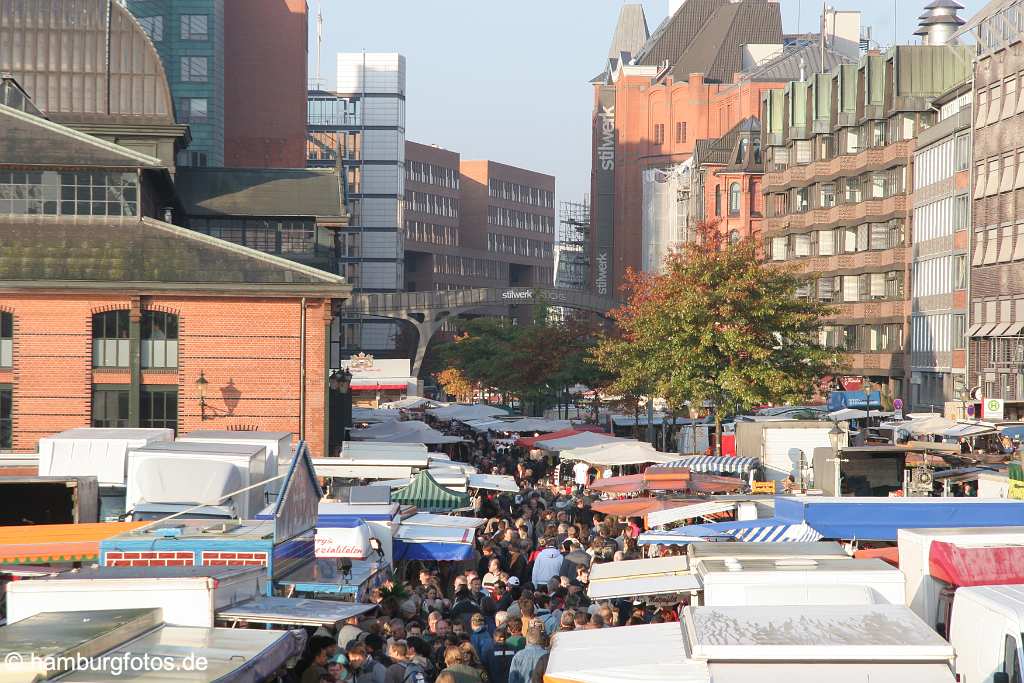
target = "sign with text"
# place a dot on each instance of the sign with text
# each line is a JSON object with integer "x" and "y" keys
{"x": 992, "y": 409}
{"x": 351, "y": 542}
{"x": 763, "y": 488}
{"x": 606, "y": 139}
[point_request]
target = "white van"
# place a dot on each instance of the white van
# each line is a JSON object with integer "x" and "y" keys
{"x": 985, "y": 631}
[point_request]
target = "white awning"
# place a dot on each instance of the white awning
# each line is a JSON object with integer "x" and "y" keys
{"x": 972, "y": 331}
{"x": 415, "y": 533}
{"x": 1000, "y": 329}
{"x": 451, "y": 521}
{"x": 463, "y": 412}
{"x": 581, "y": 440}
{"x": 656, "y": 576}
{"x": 626, "y": 452}
{"x": 847, "y": 672}
{"x": 493, "y": 482}
{"x": 961, "y": 429}
{"x": 661, "y": 517}
{"x": 293, "y": 611}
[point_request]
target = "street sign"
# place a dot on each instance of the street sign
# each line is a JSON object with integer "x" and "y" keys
{"x": 897, "y": 406}
{"x": 992, "y": 409}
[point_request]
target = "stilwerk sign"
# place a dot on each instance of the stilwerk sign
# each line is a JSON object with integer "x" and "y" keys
{"x": 605, "y": 205}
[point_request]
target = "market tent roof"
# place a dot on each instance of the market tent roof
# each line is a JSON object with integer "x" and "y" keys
{"x": 463, "y": 412}
{"x": 770, "y": 530}
{"x": 635, "y": 507}
{"x": 414, "y": 403}
{"x": 981, "y": 566}
{"x": 651, "y": 653}
{"x": 293, "y": 611}
{"x": 427, "y": 495}
{"x": 716, "y": 463}
{"x": 375, "y": 415}
{"x": 493, "y": 482}
{"x": 969, "y": 429}
{"x": 855, "y": 414}
{"x": 451, "y": 521}
{"x": 617, "y": 452}
{"x": 654, "y": 576}
{"x": 696, "y": 509}
{"x": 531, "y": 441}
{"x": 522, "y": 424}
{"x": 58, "y": 542}
{"x": 422, "y": 542}
{"x": 408, "y": 431}
{"x": 928, "y": 425}
{"x": 630, "y": 483}
{"x": 578, "y": 440}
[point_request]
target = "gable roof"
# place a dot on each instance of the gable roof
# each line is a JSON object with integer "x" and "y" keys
{"x": 706, "y": 36}
{"x": 630, "y": 31}
{"x": 129, "y": 253}
{"x": 27, "y": 139}
{"x": 260, "y": 192}
{"x": 785, "y": 66}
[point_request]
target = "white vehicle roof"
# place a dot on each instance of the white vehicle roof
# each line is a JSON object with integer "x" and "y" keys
{"x": 817, "y": 550}
{"x": 812, "y": 633}
{"x": 200, "y": 482}
{"x": 170, "y": 448}
{"x": 631, "y": 569}
{"x": 798, "y": 564}
{"x": 1005, "y": 600}
{"x": 113, "y": 433}
{"x": 939, "y": 532}
{"x": 847, "y": 672}
{"x": 428, "y": 519}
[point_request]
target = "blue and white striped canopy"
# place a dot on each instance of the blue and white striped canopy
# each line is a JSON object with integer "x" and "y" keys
{"x": 715, "y": 463}
{"x": 771, "y": 530}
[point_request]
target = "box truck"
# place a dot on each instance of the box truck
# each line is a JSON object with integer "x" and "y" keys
{"x": 48, "y": 500}
{"x": 779, "y": 443}
{"x": 278, "y": 447}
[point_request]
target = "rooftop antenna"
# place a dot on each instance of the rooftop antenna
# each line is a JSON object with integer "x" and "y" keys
{"x": 319, "y": 39}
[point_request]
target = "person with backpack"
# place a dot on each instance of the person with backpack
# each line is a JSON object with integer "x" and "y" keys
{"x": 403, "y": 670}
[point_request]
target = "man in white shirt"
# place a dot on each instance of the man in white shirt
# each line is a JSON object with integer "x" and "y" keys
{"x": 547, "y": 563}
{"x": 579, "y": 472}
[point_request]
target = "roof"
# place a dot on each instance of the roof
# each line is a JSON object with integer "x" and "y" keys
{"x": 985, "y": 566}
{"x": 427, "y": 495}
{"x": 260, "y": 192}
{"x": 57, "y": 542}
{"x": 28, "y": 139}
{"x": 630, "y": 31}
{"x": 13, "y": 95}
{"x": 786, "y": 66}
{"x": 129, "y": 253}
{"x": 706, "y": 36}
{"x": 800, "y": 565}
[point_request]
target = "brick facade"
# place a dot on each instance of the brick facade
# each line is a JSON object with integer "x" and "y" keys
{"x": 247, "y": 348}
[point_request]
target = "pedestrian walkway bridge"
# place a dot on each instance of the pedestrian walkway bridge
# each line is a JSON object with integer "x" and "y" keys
{"x": 428, "y": 311}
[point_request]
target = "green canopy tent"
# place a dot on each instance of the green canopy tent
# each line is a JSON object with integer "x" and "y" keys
{"x": 429, "y": 496}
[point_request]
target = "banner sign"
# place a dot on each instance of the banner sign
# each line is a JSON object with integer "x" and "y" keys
{"x": 604, "y": 214}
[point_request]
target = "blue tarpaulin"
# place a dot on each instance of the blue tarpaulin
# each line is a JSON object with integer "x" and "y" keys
{"x": 837, "y": 400}
{"x": 431, "y": 551}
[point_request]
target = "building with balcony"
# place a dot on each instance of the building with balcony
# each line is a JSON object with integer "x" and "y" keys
{"x": 839, "y": 150}
{"x": 939, "y": 255}
{"x": 996, "y": 347}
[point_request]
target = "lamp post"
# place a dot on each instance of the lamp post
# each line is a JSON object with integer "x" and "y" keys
{"x": 834, "y": 435}
{"x": 201, "y": 386}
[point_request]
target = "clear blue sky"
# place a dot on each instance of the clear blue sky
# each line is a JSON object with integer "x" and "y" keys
{"x": 508, "y": 80}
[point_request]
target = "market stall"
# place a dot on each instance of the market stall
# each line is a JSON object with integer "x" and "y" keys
{"x": 429, "y": 496}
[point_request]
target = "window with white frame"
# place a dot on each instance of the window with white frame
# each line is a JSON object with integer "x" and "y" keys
{"x": 194, "y": 69}
{"x": 195, "y": 27}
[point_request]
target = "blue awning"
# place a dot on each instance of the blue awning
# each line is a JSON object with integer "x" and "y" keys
{"x": 770, "y": 530}
{"x": 431, "y": 551}
{"x": 715, "y": 463}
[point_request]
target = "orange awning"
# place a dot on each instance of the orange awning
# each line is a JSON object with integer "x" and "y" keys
{"x": 630, "y": 483}
{"x": 46, "y": 543}
{"x": 890, "y": 555}
{"x": 638, "y": 507}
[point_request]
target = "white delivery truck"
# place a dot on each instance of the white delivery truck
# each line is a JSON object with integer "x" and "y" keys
{"x": 733, "y": 582}
{"x": 986, "y": 632}
{"x": 167, "y": 472}
{"x": 778, "y": 443}
{"x": 278, "y": 446}
{"x": 189, "y": 596}
{"x": 924, "y": 591}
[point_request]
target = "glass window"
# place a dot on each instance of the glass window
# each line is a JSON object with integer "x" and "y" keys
{"x": 195, "y": 26}
{"x": 159, "y": 407}
{"x": 963, "y": 152}
{"x": 110, "y": 339}
{"x": 6, "y": 340}
{"x": 194, "y": 69}
{"x": 827, "y": 195}
{"x": 6, "y": 417}
{"x": 803, "y": 151}
{"x": 109, "y": 407}
{"x": 826, "y": 243}
{"x": 734, "y": 199}
{"x": 159, "y": 339}
{"x": 718, "y": 200}
{"x": 153, "y": 27}
{"x": 193, "y": 109}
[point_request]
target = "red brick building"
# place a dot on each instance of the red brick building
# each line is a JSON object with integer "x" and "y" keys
{"x": 266, "y": 51}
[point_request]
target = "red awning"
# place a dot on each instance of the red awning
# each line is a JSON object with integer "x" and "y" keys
{"x": 379, "y": 387}
{"x": 630, "y": 483}
{"x": 890, "y": 555}
{"x": 531, "y": 441}
{"x": 984, "y": 566}
{"x": 638, "y": 507}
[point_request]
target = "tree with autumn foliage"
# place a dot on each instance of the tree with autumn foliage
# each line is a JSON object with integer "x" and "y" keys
{"x": 456, "y": 384}
{"x": 718, "y": 327}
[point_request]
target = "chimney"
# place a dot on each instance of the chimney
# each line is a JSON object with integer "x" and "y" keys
{"x": 939, "y": 22}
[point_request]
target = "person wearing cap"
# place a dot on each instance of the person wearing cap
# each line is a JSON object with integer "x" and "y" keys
{"x": 547, "y": 563}
{"x": 337, "y": 668}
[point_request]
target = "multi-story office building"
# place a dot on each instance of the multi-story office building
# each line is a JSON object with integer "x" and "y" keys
{"x": 996, "y": 353}
{"x": 475, "y": 223}
{"x": 696, "y": 78}
{"x": 939, "y": 265}
{"x": 189, "y": 36}
{"x": 839, "y": 152}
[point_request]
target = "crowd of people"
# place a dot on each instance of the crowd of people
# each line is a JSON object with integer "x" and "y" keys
{"x": 490, "y": 619}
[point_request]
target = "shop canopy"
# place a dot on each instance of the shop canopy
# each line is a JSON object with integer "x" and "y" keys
{"x": 698, "y": 508}
{"x": 462, "y": 412}
{"x": 429, "y": 496}
{"x": 54, "y": 543}
{"x": 716, "y": 463}
{"x": 423, "y": 542}
{"x": 616, "y": 453}
{"x": 981, "y": 566}
{"x": 536, "y": 441}
{"x": 651, "y": 653}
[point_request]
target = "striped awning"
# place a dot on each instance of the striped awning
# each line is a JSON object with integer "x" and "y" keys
{"x": 716, "y": 463}
{"x": 429, "y": 496}
{"x": 771, "y": 530}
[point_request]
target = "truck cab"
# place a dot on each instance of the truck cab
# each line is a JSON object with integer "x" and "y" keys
{"x": 985, "y": 629}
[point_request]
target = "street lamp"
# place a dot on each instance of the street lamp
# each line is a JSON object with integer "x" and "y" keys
{"x": 834, "y": 435}
{"x": 201, "y": 386}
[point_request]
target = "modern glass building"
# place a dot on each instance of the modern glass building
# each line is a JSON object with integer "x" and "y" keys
{"x": 189, "y": 36}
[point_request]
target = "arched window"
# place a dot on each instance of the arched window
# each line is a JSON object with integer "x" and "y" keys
{"x": 718, "y": 200}
{"x": 734, "y": 237}
{"x": 734, "y": 199}
{"x": 6, "y": 340}
{"x": 159, "y": 339}
{"x": 110, "y": 339}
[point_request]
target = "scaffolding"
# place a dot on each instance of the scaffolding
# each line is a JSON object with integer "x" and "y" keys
{"x": 573, "y": 245}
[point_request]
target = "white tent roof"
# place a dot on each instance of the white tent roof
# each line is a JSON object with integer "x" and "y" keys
{"x": 652, "y": 653}
{"x": 494, "y": 482}
{"x": 410, "y": 431}
{"x": 927, "y": 424}
{"x": 463, "y": 412}
{"x": 855, "y": 414}
{"x": 619, "y": 453}
{"x": 414, "y": 402}
{"x": 581, "y": 440}
{"x": 641, "y": 577}
{"x": 518, "y": 424}
{"x": 374, "y": 415}
{"x": 428, "y": 519}
{"x": 961, "y": 429}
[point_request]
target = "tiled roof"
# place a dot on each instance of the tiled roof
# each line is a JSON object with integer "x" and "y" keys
{"x": 47, "y": 251}
{"x": 675, "y": 34}
{"x": 259, "y": 192}
{"x": 28, "y": 139}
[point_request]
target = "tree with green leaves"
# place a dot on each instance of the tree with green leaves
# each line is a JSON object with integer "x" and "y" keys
{"x": 718, "y": 327}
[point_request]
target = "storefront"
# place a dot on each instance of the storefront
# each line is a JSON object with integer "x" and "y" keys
{"x": 376, "y": 381}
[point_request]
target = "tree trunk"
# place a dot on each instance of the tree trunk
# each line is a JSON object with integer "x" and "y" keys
{"x": 718, "y": 431}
